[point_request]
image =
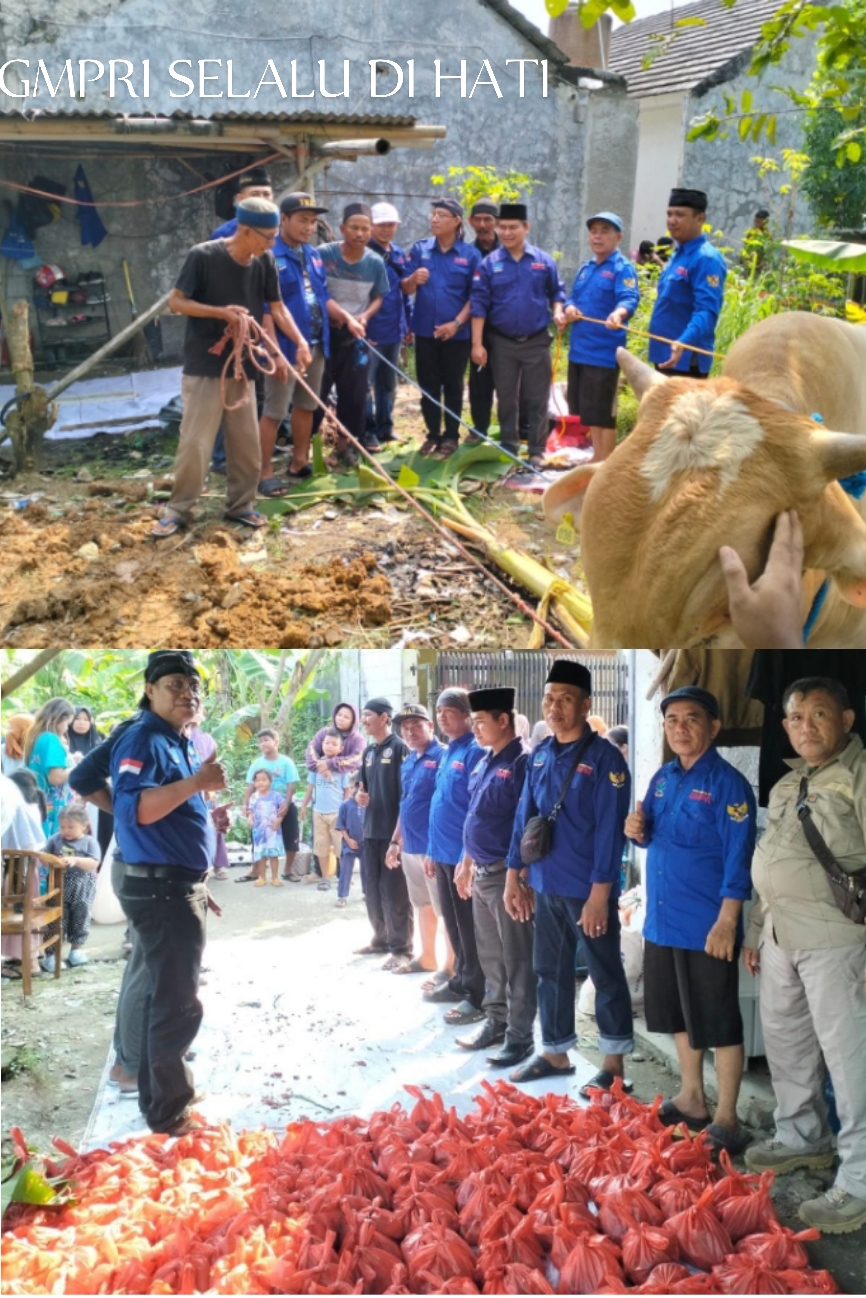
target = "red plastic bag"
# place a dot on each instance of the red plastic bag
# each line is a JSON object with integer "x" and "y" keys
{"x": 663, "y": 1277}
{"x": 478, "y": 1209}
{"x": 459, "y": 1284}
{"x": 702, "y": 1238}
{"x": 645, "y": 1247}
{"x": 516, "y": 1278}
{"x": 744, "y": 1214}
{"x": 520, "y": 1245}
{"x": 434, "y": 1247}
{"x": 674, "y": 1194}
{"x": 806, "y": 1282}
{"x": 740, "y": 1274}
{"x": 780, "y": 1249}
{"x": 593, "y": 1261}
{"x": 617, "y": 1212}
{"x": 563, "y": 1238}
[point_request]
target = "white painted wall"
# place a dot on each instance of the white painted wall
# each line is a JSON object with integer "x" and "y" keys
{"x": 659, "y": 163}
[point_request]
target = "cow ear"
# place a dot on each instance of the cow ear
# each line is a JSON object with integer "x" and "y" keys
{"x": 641, "y": 377}
{"x": 565, "y": 496}
{"x": 841, "y": 454}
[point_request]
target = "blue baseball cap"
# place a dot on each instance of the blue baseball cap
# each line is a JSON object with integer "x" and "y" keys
{"x": 610, "y": 217}
{"x": 693, "y": 694}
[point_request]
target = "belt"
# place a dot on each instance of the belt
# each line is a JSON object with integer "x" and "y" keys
{"x": 177, "y": 872}
{"x": 520, "y": 338}
{"x": 492, "y": 867}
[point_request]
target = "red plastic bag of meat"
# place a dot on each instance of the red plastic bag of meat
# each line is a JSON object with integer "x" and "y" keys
{"x": 663, "y": 1277}
{"x": 502, "y": 1221}
{"x": 780, "y": 1249}
{"x": 676, "y": 1193}
{"x": 744, "y": 1214}
{"x": 521, "y": 1245}
{"x": 564, "y": 1237}
{"x": 735, "y": 1184}
{"x": 378, "y": 1261}
{"x": 616, "y": 1212}
{"x": 806, "y": 1282}
{"x": 516, "y": 1278}
{"x": 593, "y": 1260}
{"x": 573, "y": 1219}
{"x": 702, "y": 1238}
{"x": 645, "y": 1247}
{"x": 476, "y": 1211}
{"x": 741, "y": 1274}
{"x": 428, "y": 1111}
{"x": 499, "y": 1185}
{"x": 459, "y": 1284}
{"x": 434, "y": 1247}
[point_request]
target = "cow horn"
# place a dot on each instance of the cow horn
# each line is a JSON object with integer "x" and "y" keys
{"x": 641, "y": 376}
{"x": 841, "y": 454}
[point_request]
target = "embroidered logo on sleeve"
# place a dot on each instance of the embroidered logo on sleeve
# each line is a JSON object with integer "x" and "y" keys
{"x": 738, "y": 811}
{"x": 629, "y": 283}
{"x": 129, "y": 766}
{"x": 713, "y": 281}
{"x": 617, "y": 779}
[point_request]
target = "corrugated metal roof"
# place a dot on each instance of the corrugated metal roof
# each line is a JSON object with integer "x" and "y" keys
{"x": 695, "y": 53}
{"x": 293, "y": 119}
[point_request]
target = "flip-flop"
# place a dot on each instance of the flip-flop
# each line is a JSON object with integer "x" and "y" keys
{"x": 247, "y": 878}
{"x": 462, "y": 1014}
{"x": 166, "y": 527}
{"x": 371, "y": 950}
{"x": 443, "y": 996}
{"x": 392, "y": 964}
{"x": 538, "y": 1068}
{"x": 300, "y": 475}
{"x": 602, "y": 1081}
{"x": 252, "y": 518}
{"x": 271, "y": 488}
{"x": 430, "y": 447}
{"x": 438, "y": 980}
{"x": 411, "y": 967}
{"x": 719, "y": 1138}
{"x": 670, "y": 1116}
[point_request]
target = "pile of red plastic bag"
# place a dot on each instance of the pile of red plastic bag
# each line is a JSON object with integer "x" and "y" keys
{"x": 523, "y": 1195}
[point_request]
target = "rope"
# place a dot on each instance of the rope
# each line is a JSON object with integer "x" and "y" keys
{"x": 248, "y": 342}
{"x": 642, "y": 333}
{"x": 135, "y": 202}
{"x": 442, "y": 531}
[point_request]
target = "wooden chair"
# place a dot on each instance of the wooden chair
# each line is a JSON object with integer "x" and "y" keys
{"x": 26, "y": 913}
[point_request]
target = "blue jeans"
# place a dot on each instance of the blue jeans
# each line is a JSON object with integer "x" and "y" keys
{"x": 347, "y": 868}
{"x": 218, "y": 455}
{"x": 383, "y": 385}
{"x": 553, "y": 955}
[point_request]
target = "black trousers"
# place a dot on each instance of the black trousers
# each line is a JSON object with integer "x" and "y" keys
{"x": 468, "y": 977}
{"x": 441, "y": 371}
{"x": 348, "y": 369}
{"x": 169, "y": 919}
{"x": 387, "y": 897}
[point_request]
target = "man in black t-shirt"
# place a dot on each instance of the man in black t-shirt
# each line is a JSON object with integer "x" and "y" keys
{"x": 220, "y": 282}
{"x": 388, "y": 905}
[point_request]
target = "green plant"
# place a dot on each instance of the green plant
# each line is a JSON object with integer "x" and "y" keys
{"x": 24, "y": 1060}
{"x": 469, "y": 184}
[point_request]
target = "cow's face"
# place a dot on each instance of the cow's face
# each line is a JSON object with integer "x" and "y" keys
{"x": 708, "y": 464}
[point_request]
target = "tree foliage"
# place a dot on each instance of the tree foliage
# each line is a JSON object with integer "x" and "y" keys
{"x": 469, "y": 184}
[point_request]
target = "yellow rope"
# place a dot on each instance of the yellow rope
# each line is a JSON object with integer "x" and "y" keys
{"x": 641, "y": 333}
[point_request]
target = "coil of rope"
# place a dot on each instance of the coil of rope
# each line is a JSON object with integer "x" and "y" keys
{"x": 249, "y": 341}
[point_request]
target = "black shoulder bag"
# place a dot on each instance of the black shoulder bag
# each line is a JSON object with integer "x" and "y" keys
{"x": 848, "y": 887}
{"x": 537, "y": 837}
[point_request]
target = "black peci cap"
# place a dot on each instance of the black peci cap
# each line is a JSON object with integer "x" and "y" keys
{"x": 564, "y": 671}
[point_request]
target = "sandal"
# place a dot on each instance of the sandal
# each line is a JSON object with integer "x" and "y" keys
{"x": 430, "y": 447}
{"x": 371, "y": 950}
{"x": 539, "y": 1068}
{"x": 392, "y": 963}
{"x": 719, "y": 1138}
{"x": 602, "y": 1081}
{"x": 444, "y": 996}
{"x": 411, "y": 967}
{"x": 670, "y": 1116}
{"x": 462, "y": 1014}
{"x": 247, "y": 878}
{"x": 447, "y": 448}
{"x": 272, "y": 488}
{"x": 341, "y": 902}
{"x": 166, "y": 527}
{"x": 439, "y": 978}
{"x": 252, "y": 518}
{"x": 300, "y": 475}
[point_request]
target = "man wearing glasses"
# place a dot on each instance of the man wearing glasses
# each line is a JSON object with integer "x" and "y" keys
{"x": 166, "y": 839}
{"x": 219, "y": 283}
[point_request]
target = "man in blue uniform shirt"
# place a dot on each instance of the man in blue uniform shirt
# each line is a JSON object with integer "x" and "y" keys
{"x": 576, "y": 883}
{"x": 698, "y": 824}
{"x": 690, "y": 291}
{"x": 448, "y": 811}
{"x": 409, "y": 844}
{"x": 389, "y": 328}
{"x": 252, "y": 183}
{"x": 513, "y": 292}
{"x": 164, "y": 831}
{"x": 605, "y": 288}
{"x": 440, "y": 275}
{"x": 504, "y": 944}
{"x": 304, "y": 290}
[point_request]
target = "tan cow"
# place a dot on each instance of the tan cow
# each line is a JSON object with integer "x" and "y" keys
{"x": 712, "y": 463}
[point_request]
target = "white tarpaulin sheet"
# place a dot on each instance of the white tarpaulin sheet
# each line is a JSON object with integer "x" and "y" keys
{"x": 302, "y": 1028}
{"x": 119, "y": 404}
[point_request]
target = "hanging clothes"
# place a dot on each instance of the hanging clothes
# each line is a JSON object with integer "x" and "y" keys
{"x": 92, "y": 229}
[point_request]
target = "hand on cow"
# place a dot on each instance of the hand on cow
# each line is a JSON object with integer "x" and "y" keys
{"x": 673, "y": 360}
{"x": 752, "y": 959}
{"x": 769, "y": 614}
{"x": 635, "y": 824}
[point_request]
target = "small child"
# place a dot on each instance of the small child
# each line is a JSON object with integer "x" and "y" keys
{"x": 58, "y": 796}
{"x": 264, "y": 819}
{"x": 350, "y": 826}
{"x": 327, "y": 793}
{"x": 80, "y": 850}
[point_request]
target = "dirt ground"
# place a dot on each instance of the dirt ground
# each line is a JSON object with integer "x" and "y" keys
{"x": 65, "y": 1033}
{"x": 77, "y": 561}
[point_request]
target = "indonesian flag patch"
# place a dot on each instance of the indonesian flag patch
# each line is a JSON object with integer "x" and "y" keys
{"x": 130, "y": 766}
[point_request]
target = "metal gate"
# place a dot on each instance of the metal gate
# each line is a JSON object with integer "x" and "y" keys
{"x": 526, "y": 669}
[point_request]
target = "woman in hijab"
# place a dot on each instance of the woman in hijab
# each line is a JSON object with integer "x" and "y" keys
{"x": 12, "y": 752}
{"x": 83, "y": 735}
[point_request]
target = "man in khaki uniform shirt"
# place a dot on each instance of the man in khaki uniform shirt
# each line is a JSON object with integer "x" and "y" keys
{"x": 812, "y": 958}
